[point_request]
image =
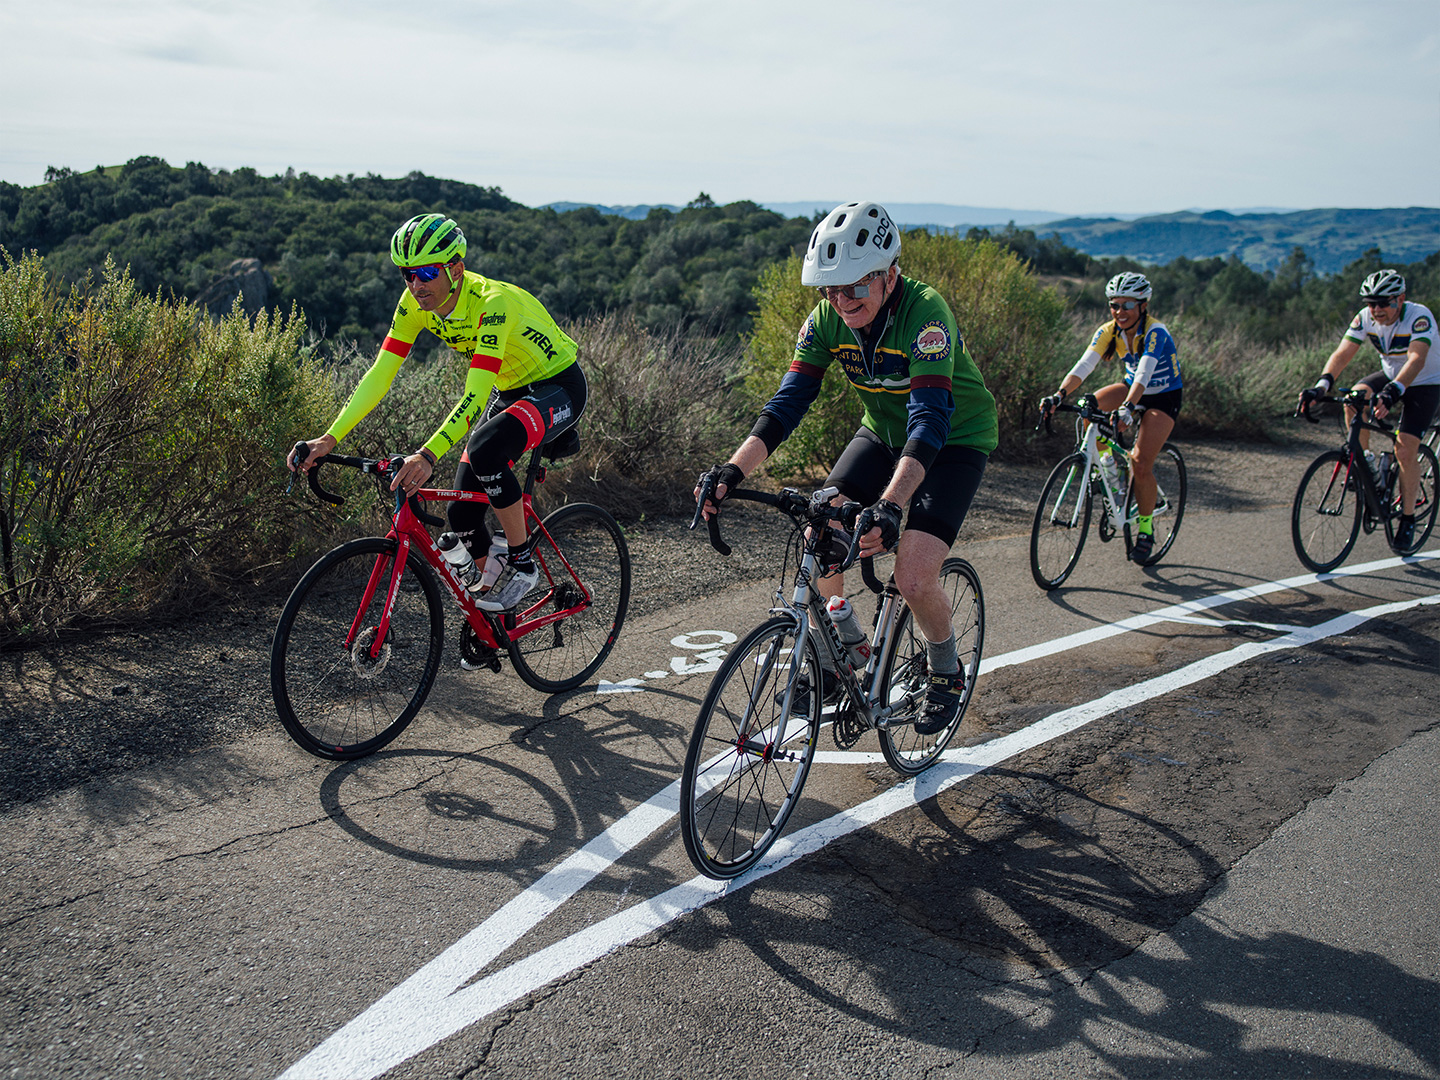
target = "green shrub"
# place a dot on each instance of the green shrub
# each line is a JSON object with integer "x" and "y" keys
{"x": 141, "y": 445}
{"x": 1013, "y": 327}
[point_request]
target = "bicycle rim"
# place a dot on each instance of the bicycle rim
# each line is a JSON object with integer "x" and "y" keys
{"x": 1061, "y": 521}
{"x": 585, "y": 573}
{"x": 905, "y": 670}
{"x": 1325, "y": 519}
{"x": 339, "y": 701}
{"x": 1170, "y": 487}
{"x": 747, "y": 761}
{"x": 1425, "y": 505}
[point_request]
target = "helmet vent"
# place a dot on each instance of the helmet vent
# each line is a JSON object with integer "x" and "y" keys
{"x": 874, "y": 212}
{"x": 889, "y": 239}
{"x": 830, "y": 250}
{"x": 840, "y": 221}
{"x": 861, "y": 237}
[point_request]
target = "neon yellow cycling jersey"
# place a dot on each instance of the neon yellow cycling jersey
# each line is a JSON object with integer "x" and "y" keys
{"x": 507, "y": 335}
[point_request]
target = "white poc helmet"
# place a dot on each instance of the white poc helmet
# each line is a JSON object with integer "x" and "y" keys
{"x": 1382, "y": 285}
{"x": 1130, "y": 285}
{"x": 855, "y": 239}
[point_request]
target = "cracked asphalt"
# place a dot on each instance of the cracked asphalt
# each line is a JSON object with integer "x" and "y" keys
{"x": 1222, "y": 879}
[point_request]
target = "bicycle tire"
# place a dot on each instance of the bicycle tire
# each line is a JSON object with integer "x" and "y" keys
{"x": 577, "y": 547}
{"x": 737, "y": 791}
{"x": 1425, "y": 504}
{"x": 905, "y": 669}
{"x": 336, "y": 703}
{"x": 1061, "y": 523}
{"x": 1169, "y": 469}
{"x": 1325, "y": 518}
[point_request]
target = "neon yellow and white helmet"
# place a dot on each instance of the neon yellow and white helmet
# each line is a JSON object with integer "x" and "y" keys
{"x": 1382, "y": 285}
{"x": 1130, "y": 285}
{"x": 853, "y": 240}
{"x": 426, "y": 240}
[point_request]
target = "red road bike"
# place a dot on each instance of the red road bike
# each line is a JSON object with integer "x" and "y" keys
{"x": 359, "y": 643}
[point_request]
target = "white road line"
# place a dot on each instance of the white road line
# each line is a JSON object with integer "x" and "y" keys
{"x": 434, "y": 1003}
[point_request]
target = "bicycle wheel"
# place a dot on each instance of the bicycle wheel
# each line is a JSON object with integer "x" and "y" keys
{"x": 1061, "y": 521}
{"x": 747, "y": 760}
{"x": 905, "y": 670}
{"x": 1425, "y": 504}
{"x": 1170, "y": 483}
{"x": 585, "y": 573}
{"x": 334, "y": 699}
{"x": 1325, "y": 520}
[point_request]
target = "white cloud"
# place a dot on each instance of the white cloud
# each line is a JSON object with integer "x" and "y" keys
{"x": 1052, "y": 105}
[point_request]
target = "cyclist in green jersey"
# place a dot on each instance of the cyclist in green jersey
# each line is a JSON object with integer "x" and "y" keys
{"x": 514, "y": 348}
{"x": 928, "y": 429}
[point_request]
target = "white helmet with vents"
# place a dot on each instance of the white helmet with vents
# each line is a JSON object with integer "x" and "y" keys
{"x": 1131, "y": 285}
{"x": 1382, "y": 285}
{"x": 853, "y": 240}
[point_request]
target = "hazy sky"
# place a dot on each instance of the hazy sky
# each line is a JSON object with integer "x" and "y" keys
{"x": 1067, "y": 106}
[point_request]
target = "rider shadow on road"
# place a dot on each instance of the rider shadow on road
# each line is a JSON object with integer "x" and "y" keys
{"x": 517, "y": 806}
{"x": 1009, "y": 942}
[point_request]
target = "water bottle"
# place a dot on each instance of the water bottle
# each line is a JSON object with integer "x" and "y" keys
{"x": 458, "y": 555}
{"x": 1382, "y": 471}
{"x": 499, "y": 549}
{"x": 1109, "y": 466}
{"x": 842, "y": 615}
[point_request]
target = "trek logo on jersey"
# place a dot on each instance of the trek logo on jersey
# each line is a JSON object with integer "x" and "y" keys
{"x": 493, "y": 320}
{"x": 542, "y": 341}
{"x": 1420, "y": 326}
{"x": 932, "y": 342}
{"x": 489, "y": 339}
{"x": 807, "y": 333}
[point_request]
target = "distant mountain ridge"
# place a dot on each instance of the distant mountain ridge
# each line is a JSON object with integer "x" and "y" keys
{"x": 1332, "y": 238}
{"x": 1261, "y": 237}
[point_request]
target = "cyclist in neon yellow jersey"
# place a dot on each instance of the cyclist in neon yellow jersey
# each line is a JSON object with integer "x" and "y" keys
{"x": 514, "y": 348}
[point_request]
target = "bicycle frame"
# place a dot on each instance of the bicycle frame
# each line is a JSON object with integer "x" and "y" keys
{"x": 1355, "y": 467}
{"x": 409, "y": 532}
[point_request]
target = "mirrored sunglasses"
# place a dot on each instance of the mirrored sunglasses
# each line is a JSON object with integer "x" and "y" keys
{"x": 859, "y": 291}
{"x": 420, "y": 273}
{"x": 1124, "y": 305}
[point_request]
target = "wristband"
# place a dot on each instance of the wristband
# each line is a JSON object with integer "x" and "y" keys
{"x": 1325, "y": 382}
{"x": 1061, "y": 395}
{"x": 426, "y": 453}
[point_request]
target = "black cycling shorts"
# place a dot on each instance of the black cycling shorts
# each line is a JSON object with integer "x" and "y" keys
{"x": 1417, "y": 407}
{"x": 1167, "y": 401}
{"x": 939, "y": 504}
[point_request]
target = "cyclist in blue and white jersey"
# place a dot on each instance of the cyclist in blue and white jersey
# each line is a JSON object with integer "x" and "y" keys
{"x": 1402, "y": 332}
{"x": 1152, "y": 378}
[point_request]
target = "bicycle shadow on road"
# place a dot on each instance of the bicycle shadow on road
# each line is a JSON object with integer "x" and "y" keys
{"x": 519, "y": 805}
{"x": 1024, "y": 939}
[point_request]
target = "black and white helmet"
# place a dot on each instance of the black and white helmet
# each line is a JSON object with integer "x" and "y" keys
{"x": 1133, "y": 286}
{"x": 1382, "y": 285}
{"x": 853, "y": 240}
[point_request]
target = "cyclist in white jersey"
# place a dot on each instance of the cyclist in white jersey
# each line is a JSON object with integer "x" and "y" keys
{"x": 1402, "y": 332}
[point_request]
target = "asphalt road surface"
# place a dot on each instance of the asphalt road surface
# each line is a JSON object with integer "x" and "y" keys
{"x": 1189, "y": 829}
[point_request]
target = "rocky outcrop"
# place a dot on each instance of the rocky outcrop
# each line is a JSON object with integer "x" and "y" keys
{"x": 245, "y": 278}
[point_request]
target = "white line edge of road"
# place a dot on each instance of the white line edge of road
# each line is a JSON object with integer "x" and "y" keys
{"x": 435, "y": 1003}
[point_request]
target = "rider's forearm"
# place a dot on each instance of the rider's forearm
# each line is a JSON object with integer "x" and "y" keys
{"x": 751, "y": 455}
{"x": 908, "y": 475}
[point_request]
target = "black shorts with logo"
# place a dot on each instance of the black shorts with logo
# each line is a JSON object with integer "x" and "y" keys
{"x": 939, "y": 504}
{"x": 1417, "y": 406}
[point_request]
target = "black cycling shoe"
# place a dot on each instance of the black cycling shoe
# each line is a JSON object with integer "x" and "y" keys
{"x": 1404, "y": 535}
{"x": 800, "y": 704}
{"x": 943, "y": 698}
{"x": 1144, "y": 545}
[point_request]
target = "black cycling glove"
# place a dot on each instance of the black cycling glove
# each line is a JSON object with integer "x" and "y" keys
{"x": 887, "y": 517}
{"x": 728, "y": 474}
{"x": 1391, "y": 393}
